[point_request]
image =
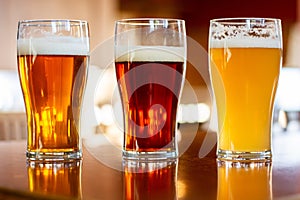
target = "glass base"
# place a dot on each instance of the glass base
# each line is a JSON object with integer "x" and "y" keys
{"x": 156, "y": 155}
{"x": 239, "y": 156}
{"x": 53, "y": 156}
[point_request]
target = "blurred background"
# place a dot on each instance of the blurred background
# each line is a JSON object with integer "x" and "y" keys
{"x": 101, "y": 15}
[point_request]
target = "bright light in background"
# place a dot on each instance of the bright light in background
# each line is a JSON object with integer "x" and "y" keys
{"x": 104, "y": 114}
{"x": 11, "y": 98}
{"x": 188, "y": 113}
{"x": 193, "y": 113}
{"x": 105, "y": 119}
{"x": 287, "y": 104}
{"x": 288, "y": 95}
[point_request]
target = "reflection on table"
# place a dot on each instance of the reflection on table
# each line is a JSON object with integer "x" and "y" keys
{"x": 55, "y": 178}
{"x": 191, "y": 177}
{"x": 244, "y": 181}
{"x": 150, "y": 179}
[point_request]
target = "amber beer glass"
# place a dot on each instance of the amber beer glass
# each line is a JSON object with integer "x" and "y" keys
{"x": 52, "y": 65}
{"x": 150, "y": 62}
{"x": 245, "y": 61}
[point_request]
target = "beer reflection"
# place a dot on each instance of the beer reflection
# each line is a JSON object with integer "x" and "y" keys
{"x": 244, "y": 181}
{"x": 150, "y": 179}
{"x": 55, "y": 178}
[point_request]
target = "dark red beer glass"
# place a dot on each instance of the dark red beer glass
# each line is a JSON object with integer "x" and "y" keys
{"x": 150, "y": 69}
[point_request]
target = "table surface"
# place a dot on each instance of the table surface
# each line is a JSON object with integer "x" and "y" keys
{"x": 195, "y": 175}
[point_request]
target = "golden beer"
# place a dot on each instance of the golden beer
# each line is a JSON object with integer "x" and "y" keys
{"x": 250, "y": 80}
{"x": 245, "y": 61}
{"x": 53, "y": 94}
{"x": 53, "y": 73}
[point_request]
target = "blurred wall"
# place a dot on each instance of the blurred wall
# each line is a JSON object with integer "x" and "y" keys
{"x": 293, "y": 45}
{"x": 197, "y": 14}
{"x": 298, "y": 9}
{"x": 100, "y": 14}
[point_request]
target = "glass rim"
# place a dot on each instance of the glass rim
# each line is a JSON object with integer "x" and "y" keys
{"x": 45, "y": 21}
{"x": 232, "y": 20}
{"x": 146, "y": 21}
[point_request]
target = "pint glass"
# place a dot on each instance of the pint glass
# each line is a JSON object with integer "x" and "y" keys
{"x": 52, "y": 65}
{"x": 245, "y": 61}
{"x": 150, "y": 63}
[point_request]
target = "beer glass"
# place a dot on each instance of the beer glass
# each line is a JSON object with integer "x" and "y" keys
{"x": 150, "y": 63}
{"x": 57, "y": 179}
{"x": 52, "y": 66}
{"x": 245, "y": 61}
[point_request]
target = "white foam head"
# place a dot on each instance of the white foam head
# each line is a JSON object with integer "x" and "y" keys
{"x": 245, "y": 43}
{"x": 245, "y": 33}
{"x": 61, "y": 45}
{"x": 150, "y": 53}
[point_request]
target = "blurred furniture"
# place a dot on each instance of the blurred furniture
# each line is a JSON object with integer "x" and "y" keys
{"x": 13, "y": 126}
{"x": 12, "y": 111}
{"x": 293, "y": 46}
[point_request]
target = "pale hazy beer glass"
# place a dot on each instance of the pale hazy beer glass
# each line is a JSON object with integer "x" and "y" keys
{"x": 245, "y": 61}
{"x": 52, "y": 64}
{"x": 150, "y": 63}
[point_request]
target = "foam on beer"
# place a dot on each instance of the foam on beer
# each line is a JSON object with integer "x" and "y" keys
{"x": 150, "y": 53}
{"x": 245, "y": 43}
{"x": 61, "y": 45}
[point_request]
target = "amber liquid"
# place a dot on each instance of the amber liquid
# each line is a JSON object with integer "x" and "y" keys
{"x": 55, "y": 179}
{"x": 149, "y": 92}
{"x": 150, "y": 181}
{"x": 53, "y": 87}
{"x": 249, "y": 77}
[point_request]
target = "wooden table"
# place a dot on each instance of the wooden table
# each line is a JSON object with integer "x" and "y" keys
{"x": 190, "y": 177}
